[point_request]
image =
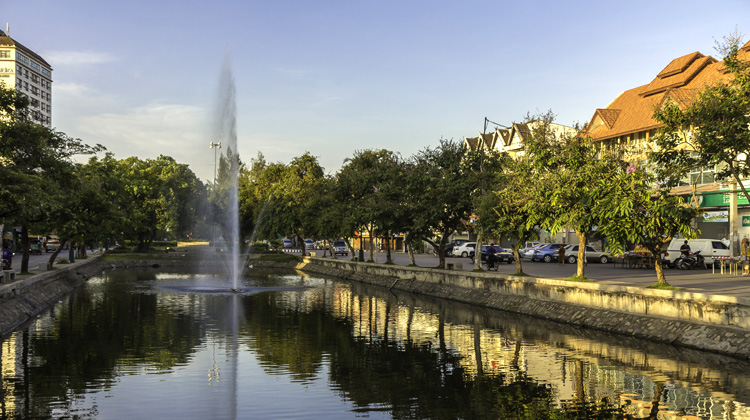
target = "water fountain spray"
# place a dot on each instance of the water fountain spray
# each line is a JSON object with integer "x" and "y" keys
{"x": 226, "y": 130}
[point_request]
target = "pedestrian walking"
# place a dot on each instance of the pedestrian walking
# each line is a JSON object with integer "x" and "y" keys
{"x": 561, "y": 255}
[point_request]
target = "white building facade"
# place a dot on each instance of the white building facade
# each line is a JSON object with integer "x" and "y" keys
{"x": 27, "y": 72}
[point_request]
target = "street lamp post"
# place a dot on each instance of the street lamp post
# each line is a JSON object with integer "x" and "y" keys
{"x": 214, "y": 146}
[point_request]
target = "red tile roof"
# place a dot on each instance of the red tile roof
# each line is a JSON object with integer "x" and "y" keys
{"x": 681, "y": 80}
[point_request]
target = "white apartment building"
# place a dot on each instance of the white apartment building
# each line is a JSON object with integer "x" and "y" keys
{"x": 28, "y": 73}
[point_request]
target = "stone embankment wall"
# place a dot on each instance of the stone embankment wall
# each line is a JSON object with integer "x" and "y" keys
{"x": 714, "y": 323}
{"x": 719, "y": 324}
{"x": 26, "y": 297}
{"x": 23, "y": 299}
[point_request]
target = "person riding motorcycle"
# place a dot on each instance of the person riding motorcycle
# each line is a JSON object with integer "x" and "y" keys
{"x": 491, "y": 256}
{"x": 7, "y": 259}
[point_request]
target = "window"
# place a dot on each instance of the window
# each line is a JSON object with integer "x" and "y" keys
{"x": 4, "y": 53}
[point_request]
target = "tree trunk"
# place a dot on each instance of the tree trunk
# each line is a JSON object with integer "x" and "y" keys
{"x": 478, "y": 251}
{"x": 303, "y": 246}
{"x": 388, "y": 259}
{"x": 660, "y": 278}
{"x": 60, "y": 247}
{"x": 441, "y": 250}
{"x": 581, "y": 253}
{"x": 517, "y": 255}
{"x": 351, "y": 248}
{"x": 410, "y": 250}
{"x": 25, "y": 244}
{"x": 372, "y": 245}
{"x": 658, "y": 391}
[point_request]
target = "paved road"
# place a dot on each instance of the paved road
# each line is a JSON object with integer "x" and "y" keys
{"x": 698, "y": 280}
{"x": 38, "y": 263}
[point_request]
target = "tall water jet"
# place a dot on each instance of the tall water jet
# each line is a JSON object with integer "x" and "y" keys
{"x": 225, "y": 131}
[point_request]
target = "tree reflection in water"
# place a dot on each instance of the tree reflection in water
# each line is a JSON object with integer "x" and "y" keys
{"x": 410, "y": 357}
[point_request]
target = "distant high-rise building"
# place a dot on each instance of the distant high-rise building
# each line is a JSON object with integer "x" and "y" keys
{"x": 28, "y": 73}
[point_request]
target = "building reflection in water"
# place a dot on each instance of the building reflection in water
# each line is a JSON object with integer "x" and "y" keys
{"x": 492, "y": 342}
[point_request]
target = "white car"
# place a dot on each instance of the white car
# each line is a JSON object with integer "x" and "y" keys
{"x": 339, "y": 247}
{"x": 464, "y": 250}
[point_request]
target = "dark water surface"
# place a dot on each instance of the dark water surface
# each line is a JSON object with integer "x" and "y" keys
{"x": 142, "y": 344}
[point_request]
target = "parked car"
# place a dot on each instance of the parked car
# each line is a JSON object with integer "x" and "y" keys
{"x": 592, "y": 255}
{"x": 546, "y": 252}
{"x": 51, "y": 245}
{"x": 309, "y": 244}
{"x": 711, "y": 249}
{"x": 339, "y": 247}
{"x": 501, "y": 255}
{"x": 453, "y": 245}
{"x": 287, "y": 243}
{"x": 527, "y": 247}
{"x": 528, "y": 252}
{"x": 464, "y": 250}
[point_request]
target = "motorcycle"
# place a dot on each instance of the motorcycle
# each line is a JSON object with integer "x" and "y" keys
{"x": 688, "y": 262}
{"x": 491, "y": 262}
{"x": 7, "y": 259}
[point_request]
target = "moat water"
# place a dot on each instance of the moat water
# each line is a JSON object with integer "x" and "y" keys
{"x": 156, "y": 344}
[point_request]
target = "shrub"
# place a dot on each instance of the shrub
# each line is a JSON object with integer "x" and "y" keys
{"x": 259, "y": 247}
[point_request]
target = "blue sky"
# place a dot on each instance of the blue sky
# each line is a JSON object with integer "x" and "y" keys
{"x": 334, "y": 77}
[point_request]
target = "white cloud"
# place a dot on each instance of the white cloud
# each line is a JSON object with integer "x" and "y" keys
{"x": 78, "y": 58}
{"x": 72, "y": 89}
{"x": 172, "y": 130}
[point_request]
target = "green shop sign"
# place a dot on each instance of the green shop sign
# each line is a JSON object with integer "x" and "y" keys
{"x": 720, "y": 198}
{"x": 745, "y": 220}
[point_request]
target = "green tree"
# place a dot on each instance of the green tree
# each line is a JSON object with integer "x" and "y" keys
{"x": 160, "y": 198}
{"x": 441, "y": 184}
{"x": 569, "y": 171}
{"x": 485, "y": 167}
{"x": 286, "y": 195}
{"x": 637, "y": 210}
{"x": 371, "y": 183}
{"x": 37, "y": 168}
{"x": 504, "y": 211}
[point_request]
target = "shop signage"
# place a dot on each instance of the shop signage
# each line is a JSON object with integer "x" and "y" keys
{"x": 745, "y": 220}
{"x": 721, "y": 198}
{"x": 716, "y": 216}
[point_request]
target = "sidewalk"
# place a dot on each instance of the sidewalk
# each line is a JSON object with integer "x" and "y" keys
{"x": 697, "y": 280}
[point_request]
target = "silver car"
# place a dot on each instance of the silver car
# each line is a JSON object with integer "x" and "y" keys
{"x": 592, "y": 255}
{"x": 528, "y": 251}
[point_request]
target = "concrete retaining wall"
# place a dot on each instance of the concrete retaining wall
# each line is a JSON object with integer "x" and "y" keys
{"x": 714, "y": 323}
{"x": 24, "y": 298}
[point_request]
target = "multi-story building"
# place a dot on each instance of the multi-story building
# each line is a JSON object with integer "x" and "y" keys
{"x": 511, "y": 139}
{"x": 628, "y": 124}
{"x": 28, "y": 73}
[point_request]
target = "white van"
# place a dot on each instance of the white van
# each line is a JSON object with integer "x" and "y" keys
{"x": 709, "y": 248}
